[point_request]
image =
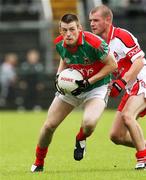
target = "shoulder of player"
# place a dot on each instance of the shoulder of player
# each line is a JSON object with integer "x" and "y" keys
{"x": 58, "y": 39}
{"x": 125, "y": 36}
{"x": 92, "y": 39}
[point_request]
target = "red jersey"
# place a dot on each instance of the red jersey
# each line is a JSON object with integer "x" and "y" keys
{"x": 126, "y": 49}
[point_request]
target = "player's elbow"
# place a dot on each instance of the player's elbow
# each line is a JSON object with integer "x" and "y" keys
{"x": 113, "y": 62}
{"x": 114, "y": 65}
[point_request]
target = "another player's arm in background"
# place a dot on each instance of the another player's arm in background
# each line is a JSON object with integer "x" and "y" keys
{"x": 130, "y": 48}
{"x": 132, "y": 73}
{"x": 110, "y": 66}
{"x": 62, "y": 65}
{"x": 119, "y": 84}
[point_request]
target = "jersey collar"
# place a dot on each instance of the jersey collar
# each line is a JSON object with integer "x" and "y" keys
{"x": 111, "y": 34}
{"x": 80, "y": 41}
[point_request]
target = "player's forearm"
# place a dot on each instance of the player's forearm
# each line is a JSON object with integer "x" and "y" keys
{"x": 101, "y": 74}
{"x": 110, "y": 66}
{"x": 134, "y": 70}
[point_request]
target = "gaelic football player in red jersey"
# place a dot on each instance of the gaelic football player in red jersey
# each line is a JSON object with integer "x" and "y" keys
{"x": 90, "y": 55}
{"x": 131, "y": 76}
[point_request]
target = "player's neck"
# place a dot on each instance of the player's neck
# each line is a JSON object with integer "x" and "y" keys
{"x": 105, "y": 34}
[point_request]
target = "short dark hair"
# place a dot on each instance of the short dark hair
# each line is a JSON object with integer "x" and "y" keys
{"x": 68, "y": 18}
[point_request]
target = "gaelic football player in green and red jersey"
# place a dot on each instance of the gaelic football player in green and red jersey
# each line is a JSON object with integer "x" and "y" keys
{"x": 90, "y": 55}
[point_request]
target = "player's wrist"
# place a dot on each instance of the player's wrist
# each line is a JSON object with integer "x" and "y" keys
{"x": 86, "y": 83}
{"x": 56, "y": 85}
{"x": 117, "y": 86}
{"x": 57, "y": 74}
{"x": 124, "y": 82}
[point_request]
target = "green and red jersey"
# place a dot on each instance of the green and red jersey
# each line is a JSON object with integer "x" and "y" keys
{"x": 86, "y": 56}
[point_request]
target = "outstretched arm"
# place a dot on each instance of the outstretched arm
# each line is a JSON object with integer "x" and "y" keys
{"x": 110, "y": 66}
{"x": 119, "y": 84}
{"x": 132, "y": 73}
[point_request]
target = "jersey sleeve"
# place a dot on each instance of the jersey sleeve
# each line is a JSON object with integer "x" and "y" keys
{"x": 103, "y": 50}
{"x": 130, "y": 46}
{"x": 58, "y": 44}
{"x": 59, "y": 51}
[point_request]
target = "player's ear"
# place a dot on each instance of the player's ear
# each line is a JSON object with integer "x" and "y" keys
{"x": 60, "y": 30}
{"x": 80, "y": 27}
{"x": 108, "y": 19}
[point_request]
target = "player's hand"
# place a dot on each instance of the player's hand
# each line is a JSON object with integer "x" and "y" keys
{"x": 57, "y": 87}
{"x": 83, "y": 84}
{"x": 117, "y": 86}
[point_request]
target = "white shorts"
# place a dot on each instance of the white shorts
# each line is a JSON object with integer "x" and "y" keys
{"x": 138, "y": 88}
{"x": 99, "y": 92}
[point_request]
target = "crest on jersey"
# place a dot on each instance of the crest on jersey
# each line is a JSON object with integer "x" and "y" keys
{"x": 67, "y": 60}
{"x": 86, "y": 60}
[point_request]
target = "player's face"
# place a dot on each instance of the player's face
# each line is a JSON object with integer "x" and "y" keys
{"x": 70, "y": 32}
{"x": 97, "y": 23}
